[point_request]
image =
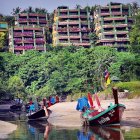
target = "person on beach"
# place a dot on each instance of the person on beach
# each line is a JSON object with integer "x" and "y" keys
{"x": 57, "y": 99}
{"x": 52, "y": 100}
{"x": 31, "y": 108}
{"x": 36, "y": 104}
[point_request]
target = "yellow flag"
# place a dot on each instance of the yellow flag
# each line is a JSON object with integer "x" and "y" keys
{"x": 108, "y": 81}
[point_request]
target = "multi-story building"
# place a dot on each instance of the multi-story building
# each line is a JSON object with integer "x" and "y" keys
{"x": 26, "y": 19}
{"x": 3, "y": 26}
{"x": 29, "y": 32}
{"x": 71, "y": 27}
{"x": 3, "y": 34}
{"x": 24, "y": 38}
{"x": 112, "y": 24}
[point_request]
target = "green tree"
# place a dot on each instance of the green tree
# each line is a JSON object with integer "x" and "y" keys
{"x": 16, "y": 11}
{"x": 16, "y": 86}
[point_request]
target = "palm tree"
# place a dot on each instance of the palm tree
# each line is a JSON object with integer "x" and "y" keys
{"x": 78, "y": 6}
{"x": 41, "y": 10}
{"x": 16, "y": 11}
{"x": 30, "y": 10}
{"x": 135, "y": 8}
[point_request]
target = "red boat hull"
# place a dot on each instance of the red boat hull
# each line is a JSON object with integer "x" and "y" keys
{"x": 112, "y": 115}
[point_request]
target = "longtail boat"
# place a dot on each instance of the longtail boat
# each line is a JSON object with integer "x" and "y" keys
{"x": 41, "y": 114}
{"x": 111, "y": 115}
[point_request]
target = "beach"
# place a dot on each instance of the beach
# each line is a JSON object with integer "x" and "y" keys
{"x": 65, "y": 113}
{"x": 6, "y": 128}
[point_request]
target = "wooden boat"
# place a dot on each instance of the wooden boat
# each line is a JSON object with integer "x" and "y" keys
{"x": 39, "y": 115}
{"x": 112, "y": 115}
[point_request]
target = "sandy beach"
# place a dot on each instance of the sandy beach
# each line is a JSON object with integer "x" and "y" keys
{"x": 6, "y": 128}
{"x": 64, "y": 113}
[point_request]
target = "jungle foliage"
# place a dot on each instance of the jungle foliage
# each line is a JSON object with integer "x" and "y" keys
{"x": 64, "y": 70}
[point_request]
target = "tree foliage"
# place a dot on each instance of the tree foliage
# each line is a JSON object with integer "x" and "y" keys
{"x": 65, "y": 70}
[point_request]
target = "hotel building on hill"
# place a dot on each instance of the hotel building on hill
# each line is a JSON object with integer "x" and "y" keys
{"x": 112, "y": 24}
{"x": 26, "y": 19}
{"x": 71, "y": 27}
{"x": 29, "y": 33}
{"x": 26, "y": 38}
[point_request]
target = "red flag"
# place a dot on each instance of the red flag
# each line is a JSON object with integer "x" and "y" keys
{"x": 90, "y": 99}
{"x": 97, "y": 100}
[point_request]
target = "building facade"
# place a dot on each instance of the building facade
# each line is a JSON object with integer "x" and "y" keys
{"x": 26, "y": 38}
{"x": 29, "y": 33}
{"x": 112, "y": 24}
{"x": 29, "y": 19}
{"x": 3, "y": 26}
{"x": 71, "y": 27}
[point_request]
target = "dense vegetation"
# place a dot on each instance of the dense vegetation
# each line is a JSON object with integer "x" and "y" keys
{"x": 64, "y": 70}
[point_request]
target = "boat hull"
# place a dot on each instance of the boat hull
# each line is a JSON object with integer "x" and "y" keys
{"x": 110, "y": 116}
{"x": 37, "y": 115}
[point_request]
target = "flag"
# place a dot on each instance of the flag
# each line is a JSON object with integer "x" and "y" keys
{"x": 90, "y": 99}
{"x": 107, "y": 78}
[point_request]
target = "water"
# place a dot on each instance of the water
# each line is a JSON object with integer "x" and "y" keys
{"x": 44, "y": 131}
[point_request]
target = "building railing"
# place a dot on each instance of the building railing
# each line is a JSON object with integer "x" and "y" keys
{"x": 23, "y": 47}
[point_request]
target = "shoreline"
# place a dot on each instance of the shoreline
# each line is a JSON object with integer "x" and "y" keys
{"x": 65, "y": 114}
{"x": 6, "y": 128}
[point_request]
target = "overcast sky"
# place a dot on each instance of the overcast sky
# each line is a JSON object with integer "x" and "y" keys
{"x": 6, "y": 6}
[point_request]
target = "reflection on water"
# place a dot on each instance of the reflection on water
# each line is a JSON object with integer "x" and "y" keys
{"x": 44, "y": 131}
{"x": 100, "y": 133}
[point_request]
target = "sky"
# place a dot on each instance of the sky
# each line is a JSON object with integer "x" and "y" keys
{"x": 6, "y": 6}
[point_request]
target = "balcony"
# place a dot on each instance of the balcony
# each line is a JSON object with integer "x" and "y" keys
{"x": 40, "y": 40}
{"x": 107, "y": 40}
{"x": 64, "y": 16}
{"x": 121, "y": 32}
{"x": 28, "y": 41}
{"x": 109, "y": 32}
{"x": 40, "y": 48}
{"x": 17, "y": 34}
{"x": 74, "y": 29}
{"x": 22, "y": 19}
{"x": 23, "y": 15}
{"x": 120, "y": 25}
{"x": 114, "y": 18}
{"x": 73, "y": 10}
{"x": 27, "y": 33}
{"x": 17, "y": 41}
{"x": 116, "y": 13}
{"x": 85, "y": 37}
{"x": 108, "y": 25}
{"x": 42, "y": 21}
{"x": 62, "y": 29}
{"x": 119, "y": 39}
{"x": 82, "y": 44}
{"x": 105, "y": 13}
{"x": 74, "y": 36}
{"x": 23, "y": 47}
{"x": 115, "y": 7}
{"x": 33, "y": 14}
{"x": 63, "y": 37}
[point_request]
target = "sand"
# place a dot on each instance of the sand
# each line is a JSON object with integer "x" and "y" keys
{"x": 64, "y": 114}
{"x": 6, "y": 128}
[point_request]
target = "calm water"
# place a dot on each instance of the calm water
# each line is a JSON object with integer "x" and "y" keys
{"x": 44, "y": 131}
